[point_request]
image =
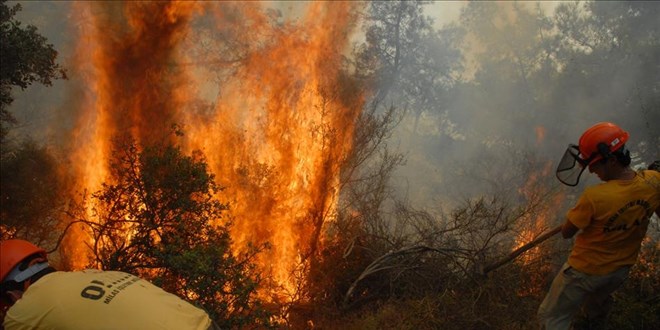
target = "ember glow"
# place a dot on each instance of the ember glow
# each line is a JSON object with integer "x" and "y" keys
{"x": 275, "y": 135}
{"x": 540, "y": 134}
{"x": 541, "y": 216}
{"x": 543, "y": 205}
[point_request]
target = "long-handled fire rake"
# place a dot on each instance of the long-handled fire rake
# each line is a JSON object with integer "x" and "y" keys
{"x": 514, "y": 254}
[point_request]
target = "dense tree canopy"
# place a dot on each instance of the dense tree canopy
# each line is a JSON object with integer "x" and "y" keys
{"x": 26, "y": 57}
{"x": 410, "y": 63}
{"x": 30, "y": 194}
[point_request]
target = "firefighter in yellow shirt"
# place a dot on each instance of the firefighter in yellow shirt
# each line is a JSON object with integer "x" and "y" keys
{"x": 611, "y": 218}
{"x": 35, "y": 296}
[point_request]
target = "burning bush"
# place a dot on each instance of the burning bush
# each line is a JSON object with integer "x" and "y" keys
{"x": 160, "y": 218}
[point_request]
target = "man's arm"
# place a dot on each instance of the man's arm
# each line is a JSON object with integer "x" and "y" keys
{"x": 568, "y": 229}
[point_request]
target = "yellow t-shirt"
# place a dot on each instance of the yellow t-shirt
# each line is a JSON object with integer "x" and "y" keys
{"x": 613, "y": 217}
{"x": 95, "y": 299}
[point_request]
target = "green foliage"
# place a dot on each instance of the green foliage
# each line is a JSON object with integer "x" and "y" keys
{"x": 26, "y": 58}
{"x": 610, "y": 52}
{"x": 30, "y": 193}
{"x": 409, "y": 62}
{"x": 160, "y": 218}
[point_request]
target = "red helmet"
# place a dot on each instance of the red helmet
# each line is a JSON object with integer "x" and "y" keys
{"x": 13, "y": 251}
{"x": 599, "y": 140}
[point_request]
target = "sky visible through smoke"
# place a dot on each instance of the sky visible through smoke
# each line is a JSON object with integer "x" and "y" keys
{"x": 461, "y": 136}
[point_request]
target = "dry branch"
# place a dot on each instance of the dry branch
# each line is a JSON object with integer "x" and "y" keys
{"x": 383, "y": 263}
{"x": 388, "y": 260}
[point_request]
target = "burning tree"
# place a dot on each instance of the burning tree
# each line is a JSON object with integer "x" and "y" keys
{"x": 160, "y": 218}
{"x": 283, "y": 113}
{"x": 290, "y": 132}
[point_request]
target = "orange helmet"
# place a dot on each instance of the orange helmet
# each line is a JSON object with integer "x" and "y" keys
{"x": 13, "y": 251}
{"x": 599, "y": 140}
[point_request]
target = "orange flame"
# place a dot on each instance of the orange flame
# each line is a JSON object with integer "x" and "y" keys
{"x": 540, "y": 134}
{"x": 276, "y": 138}
{"x": 280, "y": 133}
{"x": 123, "y": 64}
{"x": 539, "y": 220}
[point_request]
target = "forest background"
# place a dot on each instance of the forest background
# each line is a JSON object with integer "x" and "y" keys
{"x": 460, "y": 125}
